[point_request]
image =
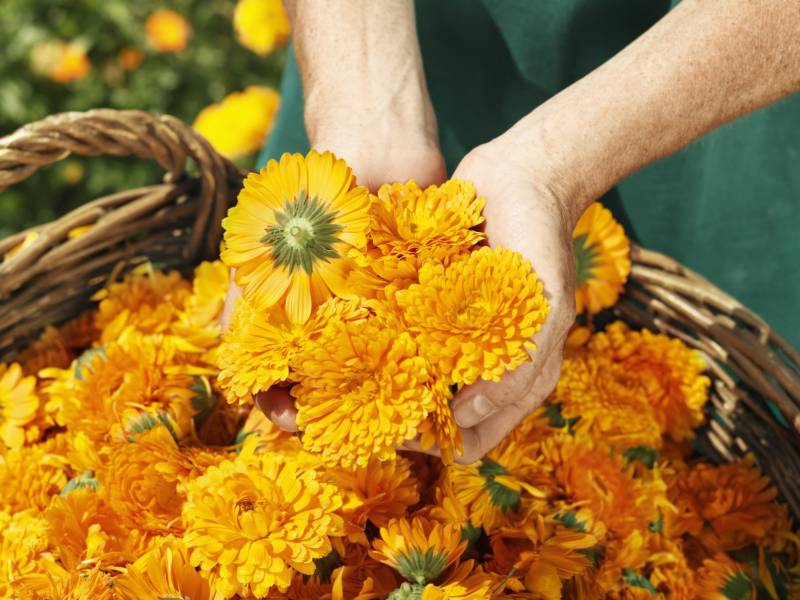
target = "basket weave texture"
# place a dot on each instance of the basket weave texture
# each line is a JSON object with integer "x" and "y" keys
{"x": 755, "y": 396}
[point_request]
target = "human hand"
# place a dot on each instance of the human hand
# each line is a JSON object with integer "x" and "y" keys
{"x": 525, "y": 211}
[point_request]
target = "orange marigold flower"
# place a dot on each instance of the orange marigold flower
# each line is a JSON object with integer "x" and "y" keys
{"x": 31, "y": 476}
{"x": 162, "y": 572}
{"x": 130, "y": 58}
{"x": 662, "y": 370}
{"x": 18, "y": 404}
{"x": 726, "y": 507}
{"x": 57, "y": 583}
{"x": 418, "y": 548}
{"x": 167, "y": 31}
{"x": 261, "y": 25}
{"x": 254, "y": 521}
{"x": 292, "y": 229}
{"x": 71, "y": 63}
{"x": 363, "y": 390}
{"x": 475, "y": 318}
{"x": 589, "y": 474}
{"x": 463, "y": 583}
{"x": 49, "y": 350}
{"x": 410, "y": 226}
{"x": 239, "y": 124}
{"x": 722, "y": 578}
{"x": 23, "y": 539}
{"x": 259, "y": 347}
{"x": 376, "y": 493}
{"x": 602, "y": 256}
{"x": 439, "y": 429}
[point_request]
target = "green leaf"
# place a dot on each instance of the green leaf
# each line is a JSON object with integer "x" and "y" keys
{"x": 635, "y": 579}
{"x": 646, "y": 455}
{"x": 86, "y": 359}
{"x": 555, "y": 419}
{"x": 585, "y": 260}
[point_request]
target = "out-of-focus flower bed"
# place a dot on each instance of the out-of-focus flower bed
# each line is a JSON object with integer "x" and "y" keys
{"x": 176, "y": 57}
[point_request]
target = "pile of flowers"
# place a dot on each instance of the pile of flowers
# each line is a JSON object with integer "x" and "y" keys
{"x": 135, "y": 465}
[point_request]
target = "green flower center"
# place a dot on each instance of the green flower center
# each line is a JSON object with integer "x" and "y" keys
{"x": 407, "y": 591}
{"x": 586, "y": 259}
{"x": 421, "y": 567}
{"x": 504, "y": 498}
{"x": 304, "y": 233}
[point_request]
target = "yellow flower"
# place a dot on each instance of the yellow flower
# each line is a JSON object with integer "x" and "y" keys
{"x": 130, "y": 58}
{"x": 439, "y": 428}
{"x": 163, "y": 572}
{"x": 461, "y": 584}
{"x": 602, "y": 255}
{"x": 167, "y": 31}
{"x": 726, "y": 507}
{"x": 49, "y": 350}
{"x": 721, "y": 578}
{"x": 475, "y": 318}
{"x": 410, "y": 226}
{"x": 18, "y": 404}
{"x": 252, "y": 522}
{"x": 418, "y": 548}
{"x": 595, "y": 390}
{"x": 376, "y": 493}
{"x": 71, "y": 63}
{"x": 23, "y": 538}
{"x": 494, "y": 489}
{"x": 58, "y": 584}
{"x": 209, "y": 288}
{"x": 31, "y": 476}
{"x": 140, "y": 479}
{"x": 589, "y": 474}
{"x": 363, "y": 390}
{"x": 259, "y": 347}
{"x": 238, "y": 125}
{"x": 290, "y": 233}
{"x": 662, "y": 370}
{"x": 261, "y": 25}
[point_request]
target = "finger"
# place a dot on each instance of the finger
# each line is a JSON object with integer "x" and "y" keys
{"x": 487, "y": 434}
{"x": 234, "y": 293}
{"x": 414, "y": 445}
{"x": 278, "y": 405}
{"x": 478, "y": 401}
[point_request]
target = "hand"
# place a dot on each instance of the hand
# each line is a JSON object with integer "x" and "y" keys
{"x": 523, "y": 213}
{"x": 379, "y": 149}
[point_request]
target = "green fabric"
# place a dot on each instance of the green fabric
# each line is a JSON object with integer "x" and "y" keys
{"x": 727, "y": 206}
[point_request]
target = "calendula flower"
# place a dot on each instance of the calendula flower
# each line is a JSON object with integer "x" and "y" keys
{"x": 376, "y": 493}
{"x": 57, "y": 583}
{"x": 141, "y": 481}
{"x": 670, "y": 570}
{"x": 239, "y": 124}
{"x": 49, "y": 350}
{"x": 440, "y": 428}
{"x": 23, "y": 538}
{"x": 130, "y": 58}
{"x": 70, "y": 63}
{"x": 31, "y": 476}
{"x": 363, "y": 390}
{"x": 663, "y": 370}
{"x": 252, "y": 522}
{"x": 259, "y": 346}
{"x": 163, "y": 572}
{"x": 623, "y": 565}
{"x": 722, "y": 578}
{"x": 261, "y": 25}
{"x": 84, "y": 531}
{"x": 18, "y": 404}
{"x": 493, "y": 489}
{"x": 419, "y": 549}
{"x": 591, "y": 475}
{"x": 292, "y": 229}
{"x": 464, "y": 583}
{"x": 602, "y": 256}
{"x": 410, "y": 226}
{"x": 594, "y": 390}
{"x": 209, "y": 288}
{"x": 475, "y": 318}
{"x": 167, "y": 31}
{"x": 358, "y": 576}
{"x": 726, "y": 507}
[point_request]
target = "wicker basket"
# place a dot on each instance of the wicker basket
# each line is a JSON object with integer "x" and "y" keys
{"x": 756, "y": 374}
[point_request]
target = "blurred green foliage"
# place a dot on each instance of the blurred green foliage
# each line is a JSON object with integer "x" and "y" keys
{"x": 212, "y": 65}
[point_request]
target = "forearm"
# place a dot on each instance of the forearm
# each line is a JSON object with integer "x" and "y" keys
{"x": 705, "y": 63}
{"x": 360, "y": 64}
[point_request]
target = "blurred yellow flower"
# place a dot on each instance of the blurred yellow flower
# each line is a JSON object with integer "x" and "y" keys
{"x": 130, "y": 58}
{"x": 602, "y": 255}
{"x": 289, "y": 235}
{"x": 254, "y": 521}
{"x": 239, "y": 124}
{"x": 18, "y": 404}
{"x": 167, "y": 31}
{"x": 71, "y": 65}
{"x": 261, "y": 25}
{"x": 475, "y": 318}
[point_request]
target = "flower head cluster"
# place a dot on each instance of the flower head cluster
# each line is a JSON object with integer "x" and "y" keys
{"x": 135, "y": 467}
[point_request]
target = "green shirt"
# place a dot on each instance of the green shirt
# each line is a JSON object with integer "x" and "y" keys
{"x": 727, "y": 205}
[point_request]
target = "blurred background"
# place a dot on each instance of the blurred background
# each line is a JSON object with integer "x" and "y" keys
{"x": 213, "y": 63}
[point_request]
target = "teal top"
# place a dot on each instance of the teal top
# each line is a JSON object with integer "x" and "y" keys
{"x": 727, "y": 205}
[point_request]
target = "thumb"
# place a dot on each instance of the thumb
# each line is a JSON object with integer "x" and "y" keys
{"x": 278, "y": 405}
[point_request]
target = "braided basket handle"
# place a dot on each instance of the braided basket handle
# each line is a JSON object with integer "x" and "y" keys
{"x": 162, "y": 138}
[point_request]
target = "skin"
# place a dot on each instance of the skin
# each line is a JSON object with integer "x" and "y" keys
{"x": 705, "y": 63}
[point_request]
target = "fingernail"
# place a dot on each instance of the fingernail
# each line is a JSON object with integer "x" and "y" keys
{"x": 473, "y": 411}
